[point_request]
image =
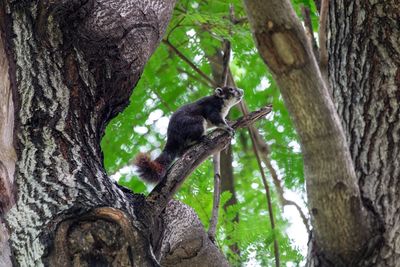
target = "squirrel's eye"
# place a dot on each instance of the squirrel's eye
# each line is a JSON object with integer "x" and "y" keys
{"x": 230, "y": 89}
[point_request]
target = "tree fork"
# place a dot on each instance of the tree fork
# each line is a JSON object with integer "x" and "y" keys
{"x": 333, "y": 194}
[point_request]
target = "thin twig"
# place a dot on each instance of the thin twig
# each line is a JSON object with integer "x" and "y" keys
{"x": 264, "y": 148}
{"x": 162, "y": 100}
{"x": 300, "y": 211}
{"x": 266, "y": 187}
{"x": 217, "y": 196}
{"x": 194, "y": 77}
{"x": 191, "y": 64}
{"x": 323, "y": 21}
{"x": 318, "y": 5}
{"x": 305, "y": 11}
{"x": 217, "y": 156}
{"x": 233, "y": 18}
{"x": 251, "y": 130}
{"x": 225, "y": 62}
{"x": 174, "y": 28}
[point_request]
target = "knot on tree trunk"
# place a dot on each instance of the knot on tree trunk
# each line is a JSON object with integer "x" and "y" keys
{"x": 103, "y": 237}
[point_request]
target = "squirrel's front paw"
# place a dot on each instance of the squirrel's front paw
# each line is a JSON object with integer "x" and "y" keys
{"x": 230, "y": 131}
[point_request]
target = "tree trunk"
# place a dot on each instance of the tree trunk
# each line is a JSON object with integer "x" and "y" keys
{"x": 364, "y": 74}
{"x": 7, "y": 152}
{"x": 71, "y": 67}
{"x": 333, "y": 196}
{"x": 351, "y": 159}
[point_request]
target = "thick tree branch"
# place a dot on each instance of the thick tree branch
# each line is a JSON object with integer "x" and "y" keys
{"x": 185, "y": 243}
{"x": 333, "y": 195}
{"x": 215, "y": 141}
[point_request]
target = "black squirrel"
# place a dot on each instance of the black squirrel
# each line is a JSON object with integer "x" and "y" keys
{"x": 187, "y": 126}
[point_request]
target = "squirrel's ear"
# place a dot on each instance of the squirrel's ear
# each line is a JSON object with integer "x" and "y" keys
{"x": 218, "y": 92}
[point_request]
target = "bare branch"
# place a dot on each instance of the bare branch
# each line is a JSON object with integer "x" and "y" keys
{"x": 217, "y": 155}
{"x": 225, "y": 62}
{"x": 318, "y": 4}
{"x": 194, "y": 77}
{"x": 305, "y": 11}
{"x": 191, "y": 64}
{"x": 162, "y": 100}
{"x": 264, "y": 149}
{"x": 217, "y": 196}
{"x": 252, "y": 131}
{"x": 323, "y": 21}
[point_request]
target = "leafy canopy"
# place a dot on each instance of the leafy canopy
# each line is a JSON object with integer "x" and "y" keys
{"x": 197, "y": 30}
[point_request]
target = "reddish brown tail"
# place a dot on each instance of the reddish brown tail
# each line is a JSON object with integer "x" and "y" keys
{"x": 150, "y": 171}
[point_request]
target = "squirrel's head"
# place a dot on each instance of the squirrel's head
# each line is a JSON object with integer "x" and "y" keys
{"x": 230, "y": 95}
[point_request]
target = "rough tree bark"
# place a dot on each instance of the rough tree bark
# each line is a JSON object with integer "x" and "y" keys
{"x": 364, "y": 74}
{"x": 349, "y": 138}
{"x": 7, "y": 152}
{"x": 67, "y": 68}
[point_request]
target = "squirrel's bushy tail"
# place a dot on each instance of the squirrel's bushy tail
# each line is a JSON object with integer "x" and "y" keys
{"x": 152, "y": 171}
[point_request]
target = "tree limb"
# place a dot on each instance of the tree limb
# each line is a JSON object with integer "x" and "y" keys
{"x": 193, "y": 157}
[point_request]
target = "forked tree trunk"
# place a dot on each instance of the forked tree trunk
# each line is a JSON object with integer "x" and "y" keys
{"x": 69, "y": 67}
{"x": 351, "y": 157}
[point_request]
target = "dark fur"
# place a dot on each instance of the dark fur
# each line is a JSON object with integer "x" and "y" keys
{"x": 185, "y": 128}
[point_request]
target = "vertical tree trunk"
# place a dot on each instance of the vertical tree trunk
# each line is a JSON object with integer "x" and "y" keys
{"x": 350, "y": 171}
{"x": 7, "y": 152}
{"x": 71, "y": 66}
{"x": 364, "y": 74}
